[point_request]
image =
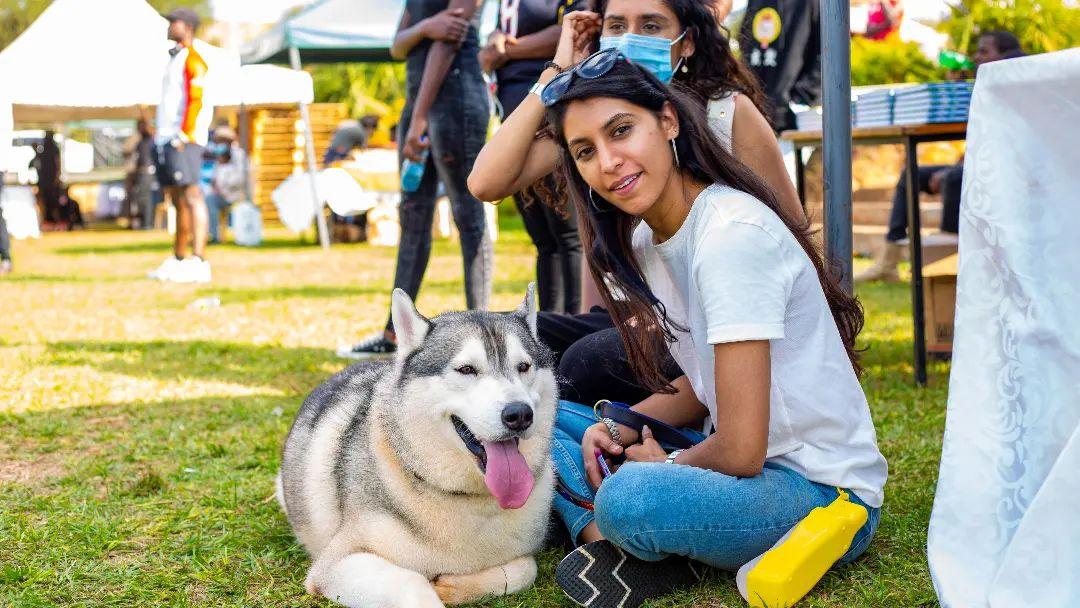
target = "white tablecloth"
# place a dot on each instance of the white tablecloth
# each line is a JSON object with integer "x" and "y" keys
{"x": 1005, "y": 529}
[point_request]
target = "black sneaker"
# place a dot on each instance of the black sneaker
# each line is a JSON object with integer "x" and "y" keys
{"x": 601, "y": 575}
{"x": 375, "y": 346}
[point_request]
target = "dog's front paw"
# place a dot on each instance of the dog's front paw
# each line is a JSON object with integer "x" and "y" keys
{"x": 459, "y": 588}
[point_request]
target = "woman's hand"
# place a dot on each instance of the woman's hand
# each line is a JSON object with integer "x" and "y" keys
{"x": 648, "y": 450}
{"x": 596, "y": 438}
{"x": 414, "y": 146}
{"x": 448, "y": 25}
{"x": 579, "y": 31}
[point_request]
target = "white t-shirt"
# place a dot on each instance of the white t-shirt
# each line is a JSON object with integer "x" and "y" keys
{"x": 734, "y": 272}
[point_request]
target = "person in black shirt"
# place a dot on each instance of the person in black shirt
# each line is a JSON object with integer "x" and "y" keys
{"x": 516, "y": 52}
{"x": 446, "y": 114}
{"x": 781, "y": 43}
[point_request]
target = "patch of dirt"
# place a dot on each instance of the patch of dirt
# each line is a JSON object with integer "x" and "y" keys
{"x": 29, "y": 472}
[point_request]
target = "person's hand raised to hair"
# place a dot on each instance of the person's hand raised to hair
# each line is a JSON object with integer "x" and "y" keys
{"x": 579, "y": 32}
{"x": 414, "y": 146}
{"x": 447, "y": 25}
{"x": 648, "y": 450}
{"x": 597, "y": 437}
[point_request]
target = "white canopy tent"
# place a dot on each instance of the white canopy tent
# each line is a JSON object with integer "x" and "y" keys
{"x": 104, "y": 59}
{"x": 331, "y": 31}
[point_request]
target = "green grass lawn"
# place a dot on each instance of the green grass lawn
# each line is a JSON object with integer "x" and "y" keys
{"x": 139, "y": 438}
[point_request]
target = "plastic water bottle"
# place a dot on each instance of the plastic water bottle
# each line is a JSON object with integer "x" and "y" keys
{"x": 955, "y": 60}
{"x": 784, "y": 574}
{"x": 412, "y": 172}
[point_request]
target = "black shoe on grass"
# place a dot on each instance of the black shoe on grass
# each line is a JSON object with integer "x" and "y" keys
{"x": 601, "y": 575}
{"x": 374, "y": 347}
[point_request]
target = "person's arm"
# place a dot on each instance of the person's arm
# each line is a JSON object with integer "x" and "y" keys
{"x": 806, "y": 88}
{"x": 754, "y": 143}
{"x": 738, "y": 446}
{"x": 194, "y": 76}
{"x": 437, "y": 65}
{"x": 741, "y": 441}
{"x": 449, "y": 25}
{"x": 514, "y": 157}
{"x": 539, "y": 45}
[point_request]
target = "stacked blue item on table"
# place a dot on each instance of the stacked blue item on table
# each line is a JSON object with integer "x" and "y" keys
{"x": 874, "y": 109}
{"x": 933, "y": 102}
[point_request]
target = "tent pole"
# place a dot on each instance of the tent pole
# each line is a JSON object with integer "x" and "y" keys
{"x": 320, "y": 219}
{"x": 242, "y": 134}
{"x": 836, "y": 139}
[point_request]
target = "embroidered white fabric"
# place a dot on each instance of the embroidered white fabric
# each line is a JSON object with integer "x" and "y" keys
{"x": 1004, "y": 530}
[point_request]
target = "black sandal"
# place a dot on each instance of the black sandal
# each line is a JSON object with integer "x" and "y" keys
{"x": 601, "y": 575}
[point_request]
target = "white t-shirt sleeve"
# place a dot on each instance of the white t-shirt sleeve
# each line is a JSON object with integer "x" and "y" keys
{"x": 742, "y": 282}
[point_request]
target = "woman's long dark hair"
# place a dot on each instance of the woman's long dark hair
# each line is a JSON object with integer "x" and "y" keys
{"x": 607, "y": 232}
{"x": 713, "y": 70}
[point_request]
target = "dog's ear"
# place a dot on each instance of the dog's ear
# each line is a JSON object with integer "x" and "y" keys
{"x": 409, "y": 325}
{"x": 527, "y": 310}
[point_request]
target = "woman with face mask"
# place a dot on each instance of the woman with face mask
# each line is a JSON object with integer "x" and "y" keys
{"x": 763, "y": 333}
{"x": 679, "y": 41}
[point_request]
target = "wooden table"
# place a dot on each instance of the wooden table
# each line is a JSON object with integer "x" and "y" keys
{"x": 910, "y": 136}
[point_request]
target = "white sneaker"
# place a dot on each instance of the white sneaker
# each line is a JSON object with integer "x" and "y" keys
{"x": 165, "y": 271}
{"x": 191, "y": 270}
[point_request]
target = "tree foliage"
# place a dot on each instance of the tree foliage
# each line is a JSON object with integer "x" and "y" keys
{"x": 365, "y": 88}
{"x": 890, "y": 60}
{"x": 1041, "y": 25}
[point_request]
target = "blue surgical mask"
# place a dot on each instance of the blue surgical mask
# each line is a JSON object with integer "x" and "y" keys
{"x": 217, "y": 149}
{"x": 650, "y": 52}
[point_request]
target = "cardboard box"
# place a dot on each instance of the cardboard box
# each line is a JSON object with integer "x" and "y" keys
{"x": 939, "y": 293}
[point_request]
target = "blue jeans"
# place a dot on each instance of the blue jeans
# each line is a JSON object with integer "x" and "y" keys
{"x": 457, "y": 128}
{"x": 215, "y": 204}
{"x": 656, "y": 510}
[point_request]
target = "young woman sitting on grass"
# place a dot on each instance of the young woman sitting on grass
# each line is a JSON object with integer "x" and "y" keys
{"x": 706, "y": 265}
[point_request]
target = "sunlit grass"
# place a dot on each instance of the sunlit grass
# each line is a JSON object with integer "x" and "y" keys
{"x": 141, "y": 436}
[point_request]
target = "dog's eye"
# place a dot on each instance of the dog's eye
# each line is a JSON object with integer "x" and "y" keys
{"x": 524, "y": 367}
{"x": 467, "y": 370}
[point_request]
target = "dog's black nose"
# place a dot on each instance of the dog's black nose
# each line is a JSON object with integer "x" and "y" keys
{"x": 517, "y": 416}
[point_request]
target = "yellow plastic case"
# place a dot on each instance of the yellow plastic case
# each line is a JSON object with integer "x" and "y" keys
{"x": 789, "y": 570}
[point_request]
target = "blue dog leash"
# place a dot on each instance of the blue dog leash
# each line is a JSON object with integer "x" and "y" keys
{"x": 621, "y": 413}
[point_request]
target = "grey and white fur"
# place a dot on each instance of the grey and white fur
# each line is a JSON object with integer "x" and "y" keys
{"x": 386, "y": 490}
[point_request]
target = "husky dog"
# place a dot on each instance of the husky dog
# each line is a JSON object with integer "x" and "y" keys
{"x": 427, "y": 479}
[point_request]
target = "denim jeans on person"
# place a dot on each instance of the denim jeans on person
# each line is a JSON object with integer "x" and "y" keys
{"x": 5, "y": 240}
{"x": 555, "y": 235}
{"x": 457, "y": 128}
{"x": 657, "y": 510}
{"x": 215, "y": 204}
{"x": 950, "y": 199}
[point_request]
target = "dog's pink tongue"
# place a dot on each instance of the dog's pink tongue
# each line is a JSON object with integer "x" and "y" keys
{"x": 508, "y": 476}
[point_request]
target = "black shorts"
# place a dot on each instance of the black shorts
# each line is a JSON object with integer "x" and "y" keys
{"x": 176, "y": 166}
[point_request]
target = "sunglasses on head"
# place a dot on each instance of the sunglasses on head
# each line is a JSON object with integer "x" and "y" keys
{"x": 594, "y": 66}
